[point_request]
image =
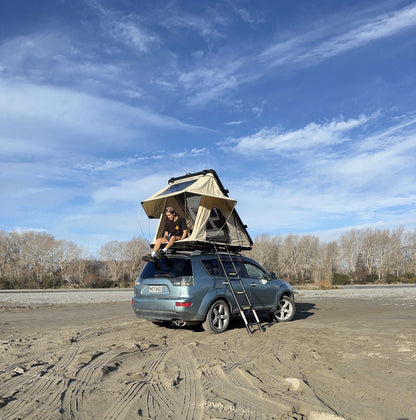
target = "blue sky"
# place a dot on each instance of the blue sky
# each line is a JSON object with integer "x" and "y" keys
{"x": 306, "y": 110}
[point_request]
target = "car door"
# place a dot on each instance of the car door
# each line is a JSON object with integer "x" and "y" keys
{"x": 260, "y": 290}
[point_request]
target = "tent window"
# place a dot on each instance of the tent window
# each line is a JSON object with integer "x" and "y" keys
{"x": 216, "y": 228}
{"x": 192, "y": 205}
{"x": 176, "y": 188}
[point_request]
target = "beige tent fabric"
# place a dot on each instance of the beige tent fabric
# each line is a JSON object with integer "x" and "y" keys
{"x": 204, "y": 185}
{"x": 212, "y": 197}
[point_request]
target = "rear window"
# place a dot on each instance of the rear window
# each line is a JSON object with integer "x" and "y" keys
{"x": 167, "y": 267}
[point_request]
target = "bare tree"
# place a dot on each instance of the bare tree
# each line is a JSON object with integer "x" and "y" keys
{"x": 350, "y": 248}
{"x": 409, "y": 252}
{"x": 266, "y": 250}
{"x": 329, "y": 262}
{"x": 134, "y": 251}
{"x": 113, "y": 253}
{"x": 397, "y": 261}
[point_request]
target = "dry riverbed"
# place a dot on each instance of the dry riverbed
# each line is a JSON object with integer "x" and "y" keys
{"x": 346, "y": 355}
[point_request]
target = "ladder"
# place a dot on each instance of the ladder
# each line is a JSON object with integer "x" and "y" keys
{"x": 240, "y": 296}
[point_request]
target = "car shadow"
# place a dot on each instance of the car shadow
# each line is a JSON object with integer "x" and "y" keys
{"x": 304, "y": 310}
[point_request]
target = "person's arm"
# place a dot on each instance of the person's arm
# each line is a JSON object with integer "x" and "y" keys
{"x": 184, "y": 228}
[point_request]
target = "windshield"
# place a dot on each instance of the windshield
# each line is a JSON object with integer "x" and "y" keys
{"x": 167, "y": 267}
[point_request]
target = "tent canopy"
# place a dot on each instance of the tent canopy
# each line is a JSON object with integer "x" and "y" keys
{"x": 202, "y": 201}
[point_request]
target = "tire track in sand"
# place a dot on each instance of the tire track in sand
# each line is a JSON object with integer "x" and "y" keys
{"x": 231, "y": 392}
{"x": 134, "y": 390}
{"x": 88, "y": 374}
{"x": 43, "y": 387}
{"x": 192, "y": 400}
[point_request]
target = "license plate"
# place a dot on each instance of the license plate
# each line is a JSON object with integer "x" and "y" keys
{"x": 155, "y": 289}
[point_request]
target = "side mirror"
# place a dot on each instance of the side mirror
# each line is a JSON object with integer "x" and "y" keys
{"x": 272, "y": 275}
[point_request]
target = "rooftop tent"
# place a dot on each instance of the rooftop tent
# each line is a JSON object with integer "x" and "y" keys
{"x": 202, "y": 201}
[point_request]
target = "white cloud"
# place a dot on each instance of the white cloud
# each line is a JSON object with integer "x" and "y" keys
{"x": 209, "y": 25}
{"x": 55, "y": 117}
{"x": 132, "y": 190}
{"x": 375, "y": 183}
{"x": 130, "y": 33}
{"x": 124, "y": 28}
{"x": 314, "y": 47}
{"x": 208, "y": 79}
{"x": 106, "y": 165}
{"x": 246, "y": 16}
{"x": 211, "y": 78}
{"x": 234, "y": 122}
{"x": 192, "y": 153}
{"x": 313, "y": 135}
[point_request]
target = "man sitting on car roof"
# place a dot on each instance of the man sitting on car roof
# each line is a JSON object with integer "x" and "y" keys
{"x": 175, "y": 230}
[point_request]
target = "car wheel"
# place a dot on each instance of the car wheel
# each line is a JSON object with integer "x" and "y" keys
{"x": 286, "y": 310}
{"x": 218, "y": 317}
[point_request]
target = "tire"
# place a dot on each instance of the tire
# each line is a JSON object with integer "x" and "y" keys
{"x": 218, "y": 317}
{"x": 285, "y": 311}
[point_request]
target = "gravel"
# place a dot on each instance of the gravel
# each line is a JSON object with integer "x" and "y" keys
{"x": 395, "y": 292}
{"x": 12, "y": 298}
{"x": 28, "y": 298}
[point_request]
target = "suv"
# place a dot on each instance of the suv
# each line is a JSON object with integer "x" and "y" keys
{"x": 191, "y": 288}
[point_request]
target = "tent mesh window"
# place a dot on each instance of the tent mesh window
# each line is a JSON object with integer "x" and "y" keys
{"x": 190, "y": 204}
{"x": 216, "y": 228}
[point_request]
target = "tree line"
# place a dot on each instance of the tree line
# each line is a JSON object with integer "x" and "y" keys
{"x": 38, "y": 260}
{"x": 357, "y": 257}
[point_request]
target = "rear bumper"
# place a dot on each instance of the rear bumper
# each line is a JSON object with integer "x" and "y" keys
{"x": 146, "y": 308}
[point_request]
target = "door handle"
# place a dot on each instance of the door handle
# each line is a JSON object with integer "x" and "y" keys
{"x": 253, "y": 284}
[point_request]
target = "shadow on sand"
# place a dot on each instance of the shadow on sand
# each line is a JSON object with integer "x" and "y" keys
{"x": 303, "y": 310}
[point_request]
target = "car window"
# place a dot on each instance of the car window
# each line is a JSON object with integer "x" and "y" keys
{"x": 214, "y": 268}
{"x": 211, "y": 266}
{"x": 167, "y": 267}
{"x": 254, "y": 272}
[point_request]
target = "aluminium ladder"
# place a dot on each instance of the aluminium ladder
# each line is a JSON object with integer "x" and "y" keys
{"x": 240, "y": 296}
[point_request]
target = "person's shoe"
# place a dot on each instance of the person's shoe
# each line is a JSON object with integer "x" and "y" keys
{"x": 149, "y": 258}
{"x": 160, "y": 254}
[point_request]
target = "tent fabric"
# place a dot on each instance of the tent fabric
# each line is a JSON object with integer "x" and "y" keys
{"x": 209, "y": 213}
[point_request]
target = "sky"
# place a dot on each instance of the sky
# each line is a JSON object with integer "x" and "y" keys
{"x": 306, "y": 110}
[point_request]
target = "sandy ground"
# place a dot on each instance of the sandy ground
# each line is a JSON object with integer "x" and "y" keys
{"x": 339, "y": 358}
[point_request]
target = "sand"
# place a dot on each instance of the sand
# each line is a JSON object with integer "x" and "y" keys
{"x": 340, "y": 358}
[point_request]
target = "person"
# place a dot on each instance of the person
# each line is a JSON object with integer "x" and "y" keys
{"x": 175, "y": 230}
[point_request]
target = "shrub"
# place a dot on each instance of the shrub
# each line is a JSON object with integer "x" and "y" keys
{"x": 5, "y": 283}
{"x": 372, "y": 278}
{"x": 391, "y": 278}
{"x": 339, "y": 279}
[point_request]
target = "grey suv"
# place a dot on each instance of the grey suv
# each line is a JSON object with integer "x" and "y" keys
{"x": 191, "y": 288}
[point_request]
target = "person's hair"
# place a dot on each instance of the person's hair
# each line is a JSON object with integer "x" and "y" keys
{"x": 170, "y": 210}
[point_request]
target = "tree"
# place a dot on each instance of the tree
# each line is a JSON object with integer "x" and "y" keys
{"x": 350, "y": 248}
{"x": 266, "y": 250}
{"x": 361, "y": 270}
{"x": 134, "y": 251}
{"x": 113, "y": 253}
